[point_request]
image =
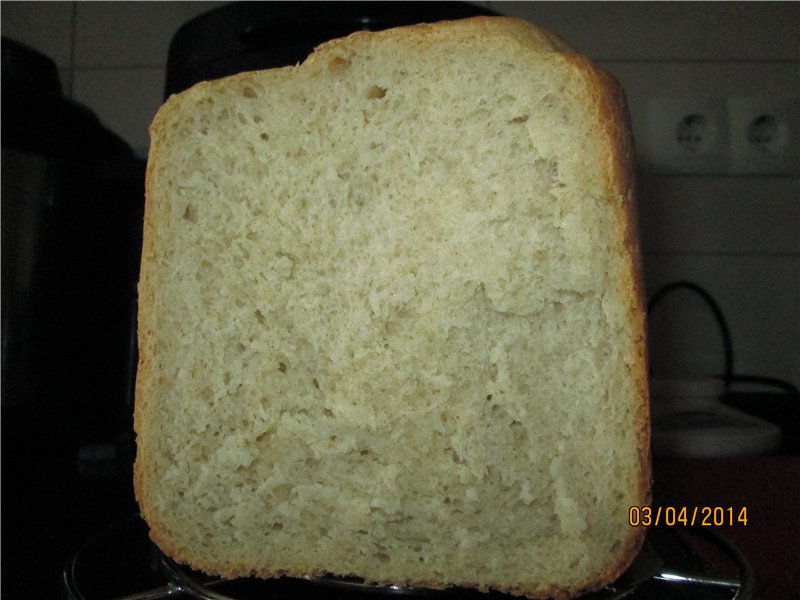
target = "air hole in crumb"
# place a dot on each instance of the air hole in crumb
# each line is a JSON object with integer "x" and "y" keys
{"x": 249, "y": 92}
{"x": 519, "y": 431}
{"x": 316, "y": 385}
{"x": 265, "y": 136}
{"x": 455, "y": 457}
{"x": 338, "y": 64}
{"x": 329, "y": 413}
{"x": 257, "y": 119}
{"x": 489, "y": 397}
{"x": 520, "y": 119}
{"x": 282, "y": 367}
{"x": 260, "y": 316}
{"x": 276, "y": 526}
{"x": 375, "y": 92}
{"x": 190, "y": 214}
{"x": 364, "y": 452}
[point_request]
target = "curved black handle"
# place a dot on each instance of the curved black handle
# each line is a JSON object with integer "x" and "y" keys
{"x": 719, "y": 317}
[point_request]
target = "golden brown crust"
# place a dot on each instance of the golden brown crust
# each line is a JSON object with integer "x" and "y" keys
{"x": 617, "y": 116}
{"x": 533, "y": 37}
{"x": 613, "y": 115}
{"x": 142, "y": 464}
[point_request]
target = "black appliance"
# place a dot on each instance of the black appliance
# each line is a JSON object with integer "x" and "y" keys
{"x": 72, "y": 205}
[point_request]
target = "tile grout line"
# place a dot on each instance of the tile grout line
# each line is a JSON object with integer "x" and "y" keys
{"x": 128, "y": 67}
{"x": 72, "y": 44}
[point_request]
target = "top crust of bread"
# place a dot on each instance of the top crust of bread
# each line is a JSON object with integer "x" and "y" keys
{"x": 612, "y": 159}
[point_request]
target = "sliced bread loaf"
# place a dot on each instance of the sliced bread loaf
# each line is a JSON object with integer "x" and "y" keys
{"x": 391, "y": 322}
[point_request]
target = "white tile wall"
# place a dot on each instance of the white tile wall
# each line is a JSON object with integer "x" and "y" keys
{"x": 738, "y": 236}
{"x": 46, "y": 26}
{"x": 138, "y": 89}
{"x": 668, "y": 31}
{"x": 125, "y": 34}
{"x": 719, "y": 215}
{"x": 112, "y": 56}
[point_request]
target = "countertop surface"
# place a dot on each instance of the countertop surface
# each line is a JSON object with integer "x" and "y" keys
{"x": 767, "y": 488}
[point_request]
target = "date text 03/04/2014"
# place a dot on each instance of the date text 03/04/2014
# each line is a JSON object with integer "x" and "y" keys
{"x": 688, "y": 516}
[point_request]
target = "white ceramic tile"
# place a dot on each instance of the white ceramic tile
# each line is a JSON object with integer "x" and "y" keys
{"x": 135, "y": 34}
{"x": 673, "y": 79}
{"x": 720, "y": 215}
{"x": 125, "y": 100}
{"x": 760, "y": 297}
{"x": 44, "y": 26}
{"x": 670, "y": 30}
{"x": 198, "y": 7}
{"x": 65, "y": 76}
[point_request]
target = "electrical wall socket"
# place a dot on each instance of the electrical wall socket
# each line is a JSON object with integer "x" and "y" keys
{"x": 722, "y": 136}
{"x": 764, "y": 135}
{"x": 685, "y": 135}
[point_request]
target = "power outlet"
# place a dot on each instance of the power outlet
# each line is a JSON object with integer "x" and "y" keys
{"x": 686, "y": 135}
{"x": 764, "y": 135}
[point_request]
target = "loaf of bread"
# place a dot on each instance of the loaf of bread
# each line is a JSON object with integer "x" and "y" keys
{"x": 390, "y": 317}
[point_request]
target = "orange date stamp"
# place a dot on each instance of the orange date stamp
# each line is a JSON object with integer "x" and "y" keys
{"x": 687, "y": 516}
